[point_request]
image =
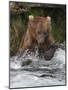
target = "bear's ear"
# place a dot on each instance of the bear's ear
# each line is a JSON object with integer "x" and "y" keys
{"x": 31, "y": 17}
{"x": 48, "y": 18}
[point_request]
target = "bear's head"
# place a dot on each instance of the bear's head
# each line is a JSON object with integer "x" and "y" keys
{"x": 39, "y": 28}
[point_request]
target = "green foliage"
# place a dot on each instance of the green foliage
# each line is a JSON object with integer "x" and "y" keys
{"x": 36, "y": 12}
{"x": 17, "y": 28}
{"x": 58, "y": 32}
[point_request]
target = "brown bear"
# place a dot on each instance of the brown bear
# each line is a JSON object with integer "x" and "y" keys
{"x": 38, "y": 34}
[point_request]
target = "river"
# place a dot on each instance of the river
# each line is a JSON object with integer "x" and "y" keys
{"x": 37, "y": 71}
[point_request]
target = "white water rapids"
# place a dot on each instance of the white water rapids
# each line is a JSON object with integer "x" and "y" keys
{"x": 30, "y": 71}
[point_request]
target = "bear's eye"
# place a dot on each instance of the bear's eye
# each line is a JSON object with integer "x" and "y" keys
{"x": 39, "y": 32}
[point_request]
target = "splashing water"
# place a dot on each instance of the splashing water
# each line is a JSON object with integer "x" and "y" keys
{"x": 29, "y": 70}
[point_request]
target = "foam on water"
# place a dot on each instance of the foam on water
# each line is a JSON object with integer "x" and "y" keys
{"x": 58, "y": 59}
{"x": 50, "y": 72}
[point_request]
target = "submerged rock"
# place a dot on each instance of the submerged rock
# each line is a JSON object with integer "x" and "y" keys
{"x": 26, "y": 62}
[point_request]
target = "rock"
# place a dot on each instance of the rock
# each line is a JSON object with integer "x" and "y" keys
{"x": 26, "y": 62}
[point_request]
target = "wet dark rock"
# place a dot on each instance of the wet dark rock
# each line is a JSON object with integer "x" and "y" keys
{"x": 26, "y": 62}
